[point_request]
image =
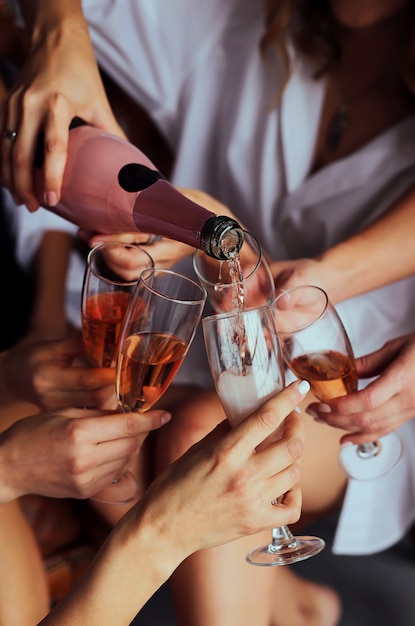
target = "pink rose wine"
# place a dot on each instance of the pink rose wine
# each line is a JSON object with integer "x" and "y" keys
{"x": 331, "y": 374}
{"x": 147, "y": 364}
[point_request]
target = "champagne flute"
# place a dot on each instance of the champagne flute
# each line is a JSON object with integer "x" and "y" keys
{"x": 158, "y": 329}
{"x": 249, "y": 284}
{"x": 111, "y": 273}
{"x": 247, "y": 367}
{"x": 316, "y": 348}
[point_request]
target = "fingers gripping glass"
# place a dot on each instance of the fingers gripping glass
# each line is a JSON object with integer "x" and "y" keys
{"x": 247, "y": 368}
{"x": 111, "y": 274}
{"x": 316, "y": 348}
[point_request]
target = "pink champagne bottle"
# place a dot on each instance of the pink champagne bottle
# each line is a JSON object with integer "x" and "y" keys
{"x": 110, "y": 186}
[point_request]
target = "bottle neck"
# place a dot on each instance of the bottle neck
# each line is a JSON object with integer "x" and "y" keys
{"x": 222, "y": 237}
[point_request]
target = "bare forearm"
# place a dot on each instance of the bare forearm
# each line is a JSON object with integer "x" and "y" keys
{"x": 21, "y": 570}
{"x": 11, "y": 411}
{"x": 47, "y": 95}
{"x": 377, "y": 256}
{"x": 129, "y": 563}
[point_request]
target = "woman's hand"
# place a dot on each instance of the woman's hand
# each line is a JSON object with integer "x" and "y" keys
{"x": 164, "y": 252}
{"x": 288, "y": 274}
{"x": 385, "y": 404}
{"x": 228, "y": 485}
{"x": 222, "y": 488}
{"x": 59, "y": 81}
{"x": 70, "y": 453}
{"x": 52, "y": 374}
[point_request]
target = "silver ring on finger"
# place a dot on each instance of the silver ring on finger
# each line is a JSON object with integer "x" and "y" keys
{"x": 10, "y": 134}
{"x": 153, "y": 239}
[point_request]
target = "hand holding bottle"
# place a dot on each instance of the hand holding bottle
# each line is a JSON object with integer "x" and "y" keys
{"x": 59, "y": 80}
{"x": 110, "y": 183}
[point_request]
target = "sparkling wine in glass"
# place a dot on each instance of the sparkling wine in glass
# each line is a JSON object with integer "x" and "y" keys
{"x": 316, "y": 348}
{"x": 247, "y": 367}
{"x": 158, "y": 329}
{"x": 111, "y": 273}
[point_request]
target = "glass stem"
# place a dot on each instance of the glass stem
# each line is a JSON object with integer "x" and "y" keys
{"x": 282, "y": 537}
{"x": 368, "y": 450}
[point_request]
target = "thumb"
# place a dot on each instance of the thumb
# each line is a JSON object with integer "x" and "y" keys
{"x": 268, "y": 417}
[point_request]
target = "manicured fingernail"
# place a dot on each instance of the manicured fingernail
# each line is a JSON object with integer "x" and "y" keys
{"x": 304, "y": 387}
{"x": 32, "y": 206}
{"x": 323, "y": 408}
{"x": 315, "y": 416}
{"x": 51, "y": 198}
{"x": 295, "y": 448}
{"x": 95, "y": 242}
{"x": 297, "y": 410}
{"x": 166, "y": 417}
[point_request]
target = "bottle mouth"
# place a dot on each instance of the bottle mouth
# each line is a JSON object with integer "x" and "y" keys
{"x": 222, "y": 237}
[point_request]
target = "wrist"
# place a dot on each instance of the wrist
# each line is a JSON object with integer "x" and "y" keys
{"x": 139, "y": 545}
{"x": 46, "y": 19}
{"x": 341, "y": 274}
{"x": 146, "y": 532}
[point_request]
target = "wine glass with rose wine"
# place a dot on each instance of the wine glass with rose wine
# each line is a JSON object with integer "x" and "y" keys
{"x": 158, "y": 329}
{"x": 316, "y": 348}
{"x": 247, "y": 368}
{"x": 111, "y": 273}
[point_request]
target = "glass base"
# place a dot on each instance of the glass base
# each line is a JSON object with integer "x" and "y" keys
{"x": 299, "y": 549}
{"x": 123, "y": 490}
{"x": 370, "y": 461}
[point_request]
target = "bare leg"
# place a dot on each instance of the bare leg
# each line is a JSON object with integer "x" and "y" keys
{"x": 297, "y": 601}
{"x": 24, "y": 596}
{"x": 217, "y": 587}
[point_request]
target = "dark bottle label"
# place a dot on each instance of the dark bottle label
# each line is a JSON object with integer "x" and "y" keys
{"x": 135, "y": 177}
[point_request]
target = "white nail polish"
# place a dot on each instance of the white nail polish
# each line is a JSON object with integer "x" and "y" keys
{"x": 304, "y": 387}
